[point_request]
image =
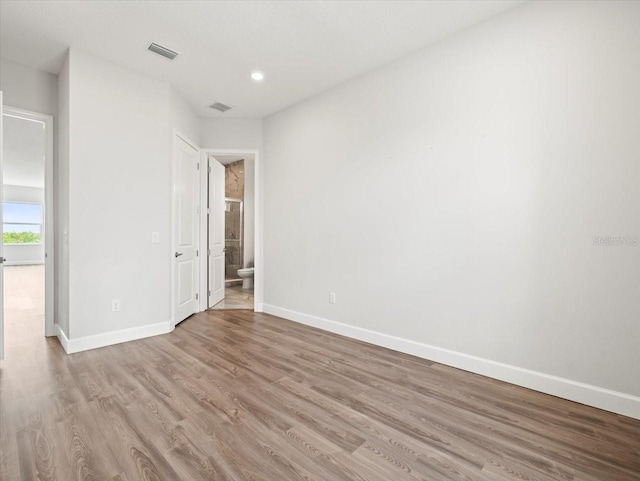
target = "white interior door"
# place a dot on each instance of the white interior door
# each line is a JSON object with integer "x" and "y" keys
{"x": 186, "y": 230}
{"x": 1, "y": 242}
{"x": 216, "y": 232}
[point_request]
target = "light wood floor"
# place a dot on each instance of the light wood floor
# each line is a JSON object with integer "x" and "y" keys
{"x": 23, "y": 305}
{"x": 237, "y": 395}
{"x": 235, "y": 297}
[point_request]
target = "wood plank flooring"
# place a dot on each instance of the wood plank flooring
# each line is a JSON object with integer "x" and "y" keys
{"x": 237, "y": 395}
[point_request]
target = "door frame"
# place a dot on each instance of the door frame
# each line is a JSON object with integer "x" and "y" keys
{"x": 257, "y": 228}
{"x": 170, "y": 252}
{"x": 49, "y": 214}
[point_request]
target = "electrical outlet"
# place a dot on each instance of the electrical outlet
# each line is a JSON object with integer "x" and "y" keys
{"x": 155, "y": 237}
{"x": 332, "y": 297}
{"x": 115, "y": 305}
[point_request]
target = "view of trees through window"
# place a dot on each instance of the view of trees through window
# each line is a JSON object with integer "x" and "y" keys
{"x": 22, "y": 223}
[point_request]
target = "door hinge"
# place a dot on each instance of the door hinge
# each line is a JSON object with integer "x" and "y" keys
{"x": 197, "y": 253}
{"x": 196, "y": 296}
{"x": 209, "y": 292}
{"x": 209, "y": 169}
{"x": 209, "y": 252}
{"x": 198, "y": 165}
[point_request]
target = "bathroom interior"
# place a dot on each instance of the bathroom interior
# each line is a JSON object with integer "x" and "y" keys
{"x": 239, "y": 231}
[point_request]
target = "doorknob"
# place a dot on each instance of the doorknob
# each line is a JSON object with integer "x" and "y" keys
{"x": 3, "y": 260}
{"x": 178, "y": 254}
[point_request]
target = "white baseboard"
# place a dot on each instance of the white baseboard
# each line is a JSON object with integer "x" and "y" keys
{"x": 617, "y": 402}
{"x": 62, "y": 338}
{"x": 23, "y": 263}
{"x": 109, "y": 338}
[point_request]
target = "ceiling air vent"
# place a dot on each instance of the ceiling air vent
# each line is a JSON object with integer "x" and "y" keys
{"x": 164, "y": 51}
{"x": 220, "y": 107}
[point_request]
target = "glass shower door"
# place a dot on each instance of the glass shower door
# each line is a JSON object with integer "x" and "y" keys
{"x": 233, "y": 238}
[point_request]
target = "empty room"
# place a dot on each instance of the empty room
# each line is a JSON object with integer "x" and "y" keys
{"x": 320, "y": 240}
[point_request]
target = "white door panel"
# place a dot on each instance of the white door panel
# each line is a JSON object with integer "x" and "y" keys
{"x": 185, "y": 275}
{"x": 187, "y": 198}
{"x": 218, "y": 269}
{"x": 216, "y": 231}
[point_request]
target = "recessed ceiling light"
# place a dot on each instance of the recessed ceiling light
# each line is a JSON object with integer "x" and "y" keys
{"x": 257, "y": 76}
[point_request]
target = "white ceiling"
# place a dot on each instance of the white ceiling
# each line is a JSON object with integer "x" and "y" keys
{"x": 303, "y": 47}
{"x": 24, "y": 150}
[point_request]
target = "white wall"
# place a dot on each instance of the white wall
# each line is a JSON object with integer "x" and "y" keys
{"x": 184, "y": 118}
{"x": 28, "y": 88}
{"x": 231, "y": 133}
{"x": 24, "y": 254}
{"x": 119, "y": 193}
{"x": 450, "y": 199}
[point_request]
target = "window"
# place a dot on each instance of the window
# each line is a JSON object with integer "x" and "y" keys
{"x": 22, "y": 223}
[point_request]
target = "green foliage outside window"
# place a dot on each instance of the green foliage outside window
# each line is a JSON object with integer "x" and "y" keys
{"x": 21, "y": 238}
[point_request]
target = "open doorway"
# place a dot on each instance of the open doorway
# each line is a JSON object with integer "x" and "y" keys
{"x": 238, "y": 227}
{"x": 27, "y": 236}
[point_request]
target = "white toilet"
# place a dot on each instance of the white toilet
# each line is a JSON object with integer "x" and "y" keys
{"x": 247, "y": 277}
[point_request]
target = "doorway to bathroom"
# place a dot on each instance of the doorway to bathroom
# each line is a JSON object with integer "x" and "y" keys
{"x": 235, "y": 277}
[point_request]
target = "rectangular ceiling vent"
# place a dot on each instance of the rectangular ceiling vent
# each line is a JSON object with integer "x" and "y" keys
{"x": 164, "y": 51}
{"x": 220, "y": 107}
